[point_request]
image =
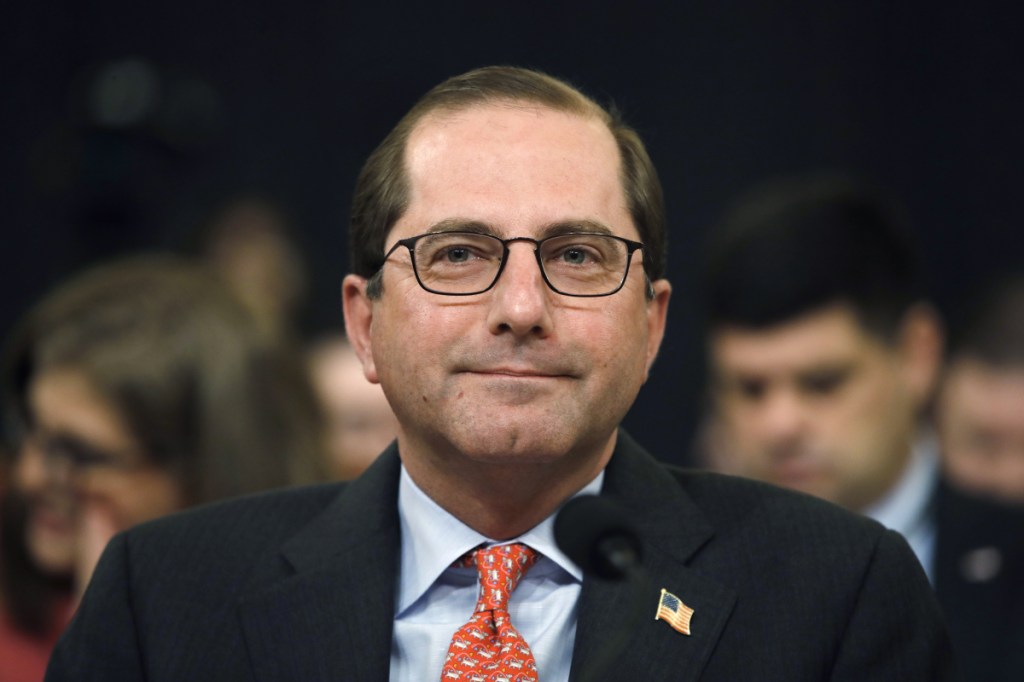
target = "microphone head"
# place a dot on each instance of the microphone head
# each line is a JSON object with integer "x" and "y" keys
{"x": 598, "y": 536}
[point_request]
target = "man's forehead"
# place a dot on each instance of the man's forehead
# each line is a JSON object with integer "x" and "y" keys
{"x": 979, "y": 375}
{"x": 458, "y": 129}
{"x": 510, "y": 165}
{"x": 448, "y": 115}
{"x": 831, "y": 335}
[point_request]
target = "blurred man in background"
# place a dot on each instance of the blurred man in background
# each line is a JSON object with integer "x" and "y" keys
{"x": 823, "y": 355}
{"x": 981, "y": 402}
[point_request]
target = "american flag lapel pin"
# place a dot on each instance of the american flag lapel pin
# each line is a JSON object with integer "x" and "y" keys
{"x": 673, "y": 611}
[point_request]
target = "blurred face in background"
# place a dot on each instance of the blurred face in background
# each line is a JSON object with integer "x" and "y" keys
{"x": 820, "y": 405}
{"x": 50, "y": 523}
{"x": 360, "y": 423}
{"x": 981, "y": 428}
{"x": 250, "y": 248}
{"x": 83, "y": 475}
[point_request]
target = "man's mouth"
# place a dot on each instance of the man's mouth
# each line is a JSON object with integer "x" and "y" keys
{"x": 518, "y": 373}
{"x": 794, "y": 467}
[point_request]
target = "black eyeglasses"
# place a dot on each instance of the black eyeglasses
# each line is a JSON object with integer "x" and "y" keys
{"x": 65, "y": 451}
{"x": 467, "y": 263}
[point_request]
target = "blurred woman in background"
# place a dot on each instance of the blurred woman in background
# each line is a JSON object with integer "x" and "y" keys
{"x": 132, "y": 391}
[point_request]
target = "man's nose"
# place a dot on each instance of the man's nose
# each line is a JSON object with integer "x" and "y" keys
{"x": 782, "y": 417}
{"x": 520, "y": 300}
{"x": 33, "y": 472}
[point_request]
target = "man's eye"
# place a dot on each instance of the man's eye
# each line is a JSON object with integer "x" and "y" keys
{"x": 576, "y": 256}
{"x": 76, "y": 452}
{"x": 457, "y": 254}
{"x": 752, "y": 389}
{"x": 747, "y": 389}
{"x": 824, "y": 383}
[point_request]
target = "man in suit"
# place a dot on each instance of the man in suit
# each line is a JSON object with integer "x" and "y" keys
{"x": 508, "y": 294}
{"x": 824, "y": 353}
{"x": 980, "y": 408}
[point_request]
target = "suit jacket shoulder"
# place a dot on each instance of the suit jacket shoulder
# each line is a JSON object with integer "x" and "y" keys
{"x": 783, "y": 586}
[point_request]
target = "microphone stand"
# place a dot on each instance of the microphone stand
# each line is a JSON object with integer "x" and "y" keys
{"x": 599, "y": 537}
{"x": 638, "y": 584}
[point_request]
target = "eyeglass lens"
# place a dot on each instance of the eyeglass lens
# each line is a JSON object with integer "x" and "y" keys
{"x": 61, "y": 449}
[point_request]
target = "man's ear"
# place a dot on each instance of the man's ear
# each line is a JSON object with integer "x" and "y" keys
{"x": 657, "y": 312}
{"x": 358, "y": 309}
{"x": 921, "y": 343}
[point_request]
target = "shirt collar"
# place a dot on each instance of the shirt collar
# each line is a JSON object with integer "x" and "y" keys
{"x": 432, "y": 539}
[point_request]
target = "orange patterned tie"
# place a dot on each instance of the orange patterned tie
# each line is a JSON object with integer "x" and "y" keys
{"x": 488, "y": 648}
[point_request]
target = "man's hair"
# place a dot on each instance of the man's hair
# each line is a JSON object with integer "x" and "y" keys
{"x": 200, "y": 386}
{"x": 994, "y": 331}
{"x": 382, "y": 189}
{"x": 793, "y": 246}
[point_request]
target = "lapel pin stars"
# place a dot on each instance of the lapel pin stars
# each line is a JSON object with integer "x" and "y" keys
{"x": 674, "y": 612}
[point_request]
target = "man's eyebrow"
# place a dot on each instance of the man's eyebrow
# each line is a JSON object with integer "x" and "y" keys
{"x": 575, "y": 226}
{"x": 835, "y": 371}
{"x": 550, "y": 230}
{"x": 828, "y": 367}
{"x": 461, "y": 225}
{"x": 733, "y": 378}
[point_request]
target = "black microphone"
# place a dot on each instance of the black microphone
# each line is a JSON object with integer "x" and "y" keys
{"x": 598, "y": 536}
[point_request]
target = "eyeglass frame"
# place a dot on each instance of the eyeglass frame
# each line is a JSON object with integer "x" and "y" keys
{"x": 62, "y": 451}
{"x": 410, "y": 243}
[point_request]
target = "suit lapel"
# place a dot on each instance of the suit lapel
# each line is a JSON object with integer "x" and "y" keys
{"x": 672, "y": 530}
{"x": 325, "y": 607}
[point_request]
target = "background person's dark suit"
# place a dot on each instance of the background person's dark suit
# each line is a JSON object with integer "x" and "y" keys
{"x": 979, "y": 580}
{"x": 299, "y": 585}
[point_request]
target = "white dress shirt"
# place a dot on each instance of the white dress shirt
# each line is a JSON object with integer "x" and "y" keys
{"x": 908, "y": 507}
{"x": 434, "y": 599}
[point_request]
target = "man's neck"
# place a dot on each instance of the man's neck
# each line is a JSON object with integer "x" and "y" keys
{"x": 909, "y": 494}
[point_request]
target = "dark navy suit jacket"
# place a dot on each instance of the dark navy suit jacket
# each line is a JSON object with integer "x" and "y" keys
{"x": 299, "y": 585}
{"x": 979, "y": 577}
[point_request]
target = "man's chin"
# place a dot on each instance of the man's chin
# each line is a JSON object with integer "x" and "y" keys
{"x": 500, "y": 392}
{"x": 808, "y": 480}
{"x": 518, "y": 442}
{"x": 512, "y": 450}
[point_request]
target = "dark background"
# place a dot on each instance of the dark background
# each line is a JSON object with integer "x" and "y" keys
{"x": 924, "y": 98}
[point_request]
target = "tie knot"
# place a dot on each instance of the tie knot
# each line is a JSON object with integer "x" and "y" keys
{"x": 500, "y": 569}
